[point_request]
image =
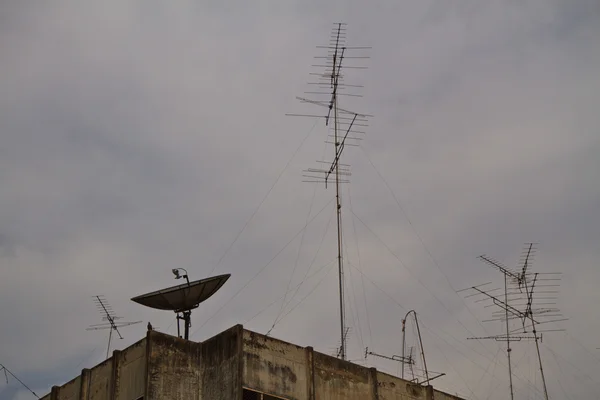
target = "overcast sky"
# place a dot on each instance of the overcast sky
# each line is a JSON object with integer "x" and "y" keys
{"x": 142, "y": 136}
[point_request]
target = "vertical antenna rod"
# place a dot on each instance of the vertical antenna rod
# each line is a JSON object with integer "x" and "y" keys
{"x": 529, "y": 312}
{"x": 336, "y": 65}
{"x": 508, "y": 349}
{"x": 335, "y": 72}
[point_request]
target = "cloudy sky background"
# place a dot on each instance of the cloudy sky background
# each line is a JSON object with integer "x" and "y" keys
{"x": 140, "y": 137}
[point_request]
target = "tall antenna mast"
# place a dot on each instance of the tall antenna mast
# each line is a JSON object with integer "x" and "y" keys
{"x": 331, "y": 81}
{"x": 108, "y": 315}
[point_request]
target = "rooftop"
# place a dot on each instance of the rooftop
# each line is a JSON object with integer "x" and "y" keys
{"x": 235, "y": 364}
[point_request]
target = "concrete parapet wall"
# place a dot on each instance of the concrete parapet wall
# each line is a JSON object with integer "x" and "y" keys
{"x": 394, "y": 388}
{"x": 222, "y": 365}
{"x": 445, "y": 396}
{"x": 100, "y": 381}
{"x": 274, "y": 366}
{"x": 70, "y": 390}
{"x": 336, "y": 379}
{"x": 164, "y": 367}
{"x": 130, "y": 378}
{"x": 173, "y": 368}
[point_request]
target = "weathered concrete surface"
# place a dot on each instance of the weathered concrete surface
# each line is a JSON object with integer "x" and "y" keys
{"x": 131, "y": 372}
{"x": 100, "y": 379}
{"x": 222, "y": 365}
{"x": 393, "y": 388}
{"x": 164, "y": 367}
{"x": 444, "y": 396}
{"x": 336, "y": 379}
{"x": 275, "y": 366}
{"x": 173, "y": 368}
{"x": 70, "y": 390}
{"x": 84, "y": 390}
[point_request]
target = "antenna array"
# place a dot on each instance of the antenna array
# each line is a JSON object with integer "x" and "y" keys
{"x": 528, "y": 298}
{"x": 410, "y": 359}
{"x": 329, "y": 85}
{"x": 110, "y": 318}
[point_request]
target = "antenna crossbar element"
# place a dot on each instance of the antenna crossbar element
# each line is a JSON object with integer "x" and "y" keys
{"x": 503, "y": 338}
{"x": 108, "y": 315}
{"x": 401, "y": 359}
{"x": 499, "y": 267}
{"x": 331, "y": 84}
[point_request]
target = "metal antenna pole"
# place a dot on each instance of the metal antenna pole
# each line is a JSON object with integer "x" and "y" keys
{"x": 529, "y": 312}
{"x": 109, "y": 339}
{"x": 187, "y": 320}
{"x": 422, "y": 349}
{"x": 403, "y": 344}
{"x": 339, "y": 233}
{"x": 537, "y": 346}
{"x": 508, "y": 349}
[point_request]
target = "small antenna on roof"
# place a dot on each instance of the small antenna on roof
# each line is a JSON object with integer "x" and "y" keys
{"x": 108, "y": 315}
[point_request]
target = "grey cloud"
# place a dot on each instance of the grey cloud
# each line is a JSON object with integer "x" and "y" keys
{"x": 140, "y": 137}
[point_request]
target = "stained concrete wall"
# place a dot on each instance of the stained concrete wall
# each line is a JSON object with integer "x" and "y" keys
{"x": 70, "y": 390}
{"x": 121, "y": 377}
{"x": 100, "y": 381}
{"x": 336, "y": 379}
{"x": 222, "y": 365}
{"x": 174, "y": 368}
{"x": 179, "y": 369}
{"x": 164, "y": 367}
{"x": 130, "y": 379}
{"x": 292, "y": 372}
{"x": 275, "y": 366}
{"x": 393, "y": 388}
{"x": 445, "y": 396}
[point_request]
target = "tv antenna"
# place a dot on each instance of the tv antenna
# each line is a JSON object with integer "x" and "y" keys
{"x": 522, "y": 289}
{"x": 427, "y": 378}
{"x": 111, "y": 323}
{"x": 183, "y": 298}
{"x": 403, "y": 360}
{"x": 8, "y": 372}
{"x": 347, "y": 130}
{"x": 400, "y": 359}
{"x": 409, "y": 360}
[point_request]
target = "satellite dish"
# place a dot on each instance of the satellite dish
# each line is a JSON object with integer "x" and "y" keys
{"x": 183, "y": 298}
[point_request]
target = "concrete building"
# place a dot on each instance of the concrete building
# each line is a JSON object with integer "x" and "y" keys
{"x": 236, "y": 364}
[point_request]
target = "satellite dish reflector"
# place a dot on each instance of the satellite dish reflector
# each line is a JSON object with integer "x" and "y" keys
{"x": 183, "y": 297}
